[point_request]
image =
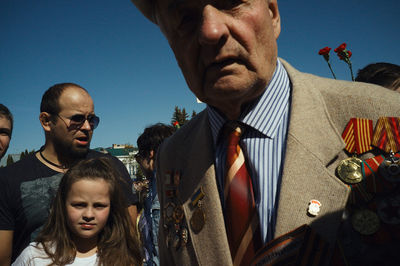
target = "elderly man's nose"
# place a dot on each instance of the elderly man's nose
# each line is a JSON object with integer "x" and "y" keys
{"x": 213, "y": 26}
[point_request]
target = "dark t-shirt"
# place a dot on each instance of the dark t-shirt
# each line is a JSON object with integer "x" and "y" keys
{"x": 27, "y": 189}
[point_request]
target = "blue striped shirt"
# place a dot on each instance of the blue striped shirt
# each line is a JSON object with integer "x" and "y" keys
{"x": 263, "y": 144}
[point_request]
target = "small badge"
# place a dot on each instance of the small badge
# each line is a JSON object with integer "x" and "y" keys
{"x": 314, "y": 207}
{"x": 365, "y": 222}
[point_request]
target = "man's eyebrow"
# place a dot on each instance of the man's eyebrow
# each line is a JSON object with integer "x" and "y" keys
{"x": 6, "y": 131}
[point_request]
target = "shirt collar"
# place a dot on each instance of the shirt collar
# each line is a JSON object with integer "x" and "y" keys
{"x": 266, "y": 113}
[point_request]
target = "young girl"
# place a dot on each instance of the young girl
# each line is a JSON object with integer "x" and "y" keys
{"x": 88, "y": 222}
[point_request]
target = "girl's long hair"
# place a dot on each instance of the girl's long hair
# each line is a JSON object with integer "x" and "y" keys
{"x": 118, "y": 243}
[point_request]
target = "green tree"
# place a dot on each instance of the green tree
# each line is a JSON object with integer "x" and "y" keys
{"x": 10, "y": 160}
{"x": 23, "y": 154}
{"x": 194, "y": 113}
{"x": 179, "y": 116}
{"x": 26, "y": 153}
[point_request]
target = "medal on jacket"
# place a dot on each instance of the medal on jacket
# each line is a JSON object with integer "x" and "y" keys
{"x": 365, "y": 222}
{"x": 357, "y": 136}
{"x": 349, "y": 170}
{"x": 390, "y": 168}
{"x": 198, "y": 218}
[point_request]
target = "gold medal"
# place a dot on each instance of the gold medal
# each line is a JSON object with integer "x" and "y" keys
{"x": 365, "y": 222}
{"x": 198, "y": 220}
{"x": 349, "y": 170}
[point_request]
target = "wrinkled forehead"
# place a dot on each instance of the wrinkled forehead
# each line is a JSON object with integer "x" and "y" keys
{"x": 167, "y": 12}
{"x": 172, "y": 6}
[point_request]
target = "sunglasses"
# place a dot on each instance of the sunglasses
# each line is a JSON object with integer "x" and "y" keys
{"x": 76, "y": 121}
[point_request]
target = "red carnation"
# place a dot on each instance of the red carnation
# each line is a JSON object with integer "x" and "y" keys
{"x": 341, "y": 48}
{"x": 345, "y": 55}
{"x": 341, "y": 55}
{"x": 176, "y": 123}
{"x": 324, "y": 51}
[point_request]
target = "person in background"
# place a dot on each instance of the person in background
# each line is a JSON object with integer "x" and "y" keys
{"x": 384, "y": 74}
{"x": 88, "y": 223}
{"x": 258, "y": 166}
{"x": 148, "y": 143}
{"x": 6, "y": 128}
{"x": 28, "y": 186}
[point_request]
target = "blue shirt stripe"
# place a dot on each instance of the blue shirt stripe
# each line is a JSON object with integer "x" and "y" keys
{"x": 263, "y": 145}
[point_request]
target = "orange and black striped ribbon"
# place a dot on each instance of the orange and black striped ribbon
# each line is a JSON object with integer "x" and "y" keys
{"x": 302, "y": 246}
{"x": 358, "y": 135}
{"x": 386, "y": 134}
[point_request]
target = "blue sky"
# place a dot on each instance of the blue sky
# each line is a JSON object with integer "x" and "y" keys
{"x": 125, "y": 63}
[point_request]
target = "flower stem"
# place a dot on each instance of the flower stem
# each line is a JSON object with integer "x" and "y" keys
{"x": 331, "y": 69}
{"x": 351, "y": 70}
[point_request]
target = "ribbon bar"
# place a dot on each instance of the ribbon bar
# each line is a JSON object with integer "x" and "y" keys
{"x": 386, "y": 135}
{"x": 358, "y": 135}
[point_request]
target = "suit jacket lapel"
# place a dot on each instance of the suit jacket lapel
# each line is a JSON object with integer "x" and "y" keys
{"x": 210, "y": 244}
{"x": 305, "y": 175}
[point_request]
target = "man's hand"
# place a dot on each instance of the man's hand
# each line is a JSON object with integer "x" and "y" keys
{"x": 6, "y": 237}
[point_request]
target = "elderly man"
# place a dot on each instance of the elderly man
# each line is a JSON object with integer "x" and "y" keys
{"x": 260, "y": 161}
{"x": 28, "y": 186}
{"x": 6, "y": 127}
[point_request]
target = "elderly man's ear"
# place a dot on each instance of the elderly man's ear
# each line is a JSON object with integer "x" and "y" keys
{"x": 275, "y": 17}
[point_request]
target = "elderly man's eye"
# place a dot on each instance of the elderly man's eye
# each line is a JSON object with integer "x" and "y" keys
{"x": 228, "y": 4}
{"x": 187, "y": 23}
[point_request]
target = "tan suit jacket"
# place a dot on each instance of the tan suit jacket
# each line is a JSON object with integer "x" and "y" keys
{"x": 320, "y": 110}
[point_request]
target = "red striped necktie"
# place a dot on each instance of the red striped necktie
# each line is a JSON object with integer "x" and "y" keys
{"x": 241, "y": 217}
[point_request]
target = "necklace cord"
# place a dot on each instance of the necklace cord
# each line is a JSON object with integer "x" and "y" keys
{"x": 50, "y": 162}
